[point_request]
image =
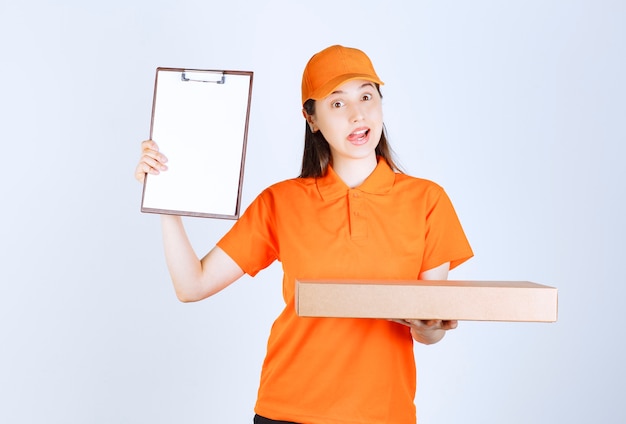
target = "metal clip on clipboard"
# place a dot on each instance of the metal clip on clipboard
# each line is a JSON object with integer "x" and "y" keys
{"x": 199, "y": 76}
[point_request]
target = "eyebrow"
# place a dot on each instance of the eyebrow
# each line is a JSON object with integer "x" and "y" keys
{"x": 368, "y": 83}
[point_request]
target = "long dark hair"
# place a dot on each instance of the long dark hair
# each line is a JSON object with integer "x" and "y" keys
{"x": 316, "y": 156}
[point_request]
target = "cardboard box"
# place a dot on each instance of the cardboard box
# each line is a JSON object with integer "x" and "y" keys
{"x": 448, "y": 300}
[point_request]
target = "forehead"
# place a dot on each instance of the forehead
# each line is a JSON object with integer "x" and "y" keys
{"x": 356, "y": 85}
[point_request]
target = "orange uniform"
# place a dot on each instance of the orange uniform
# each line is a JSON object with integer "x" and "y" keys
{"x": 393, "y": 226}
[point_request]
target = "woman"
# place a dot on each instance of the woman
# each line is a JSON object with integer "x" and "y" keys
{"x": 350, "y": 214}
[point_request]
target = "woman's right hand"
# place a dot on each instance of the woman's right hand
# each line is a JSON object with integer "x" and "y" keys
{"x": 151, "y": 161}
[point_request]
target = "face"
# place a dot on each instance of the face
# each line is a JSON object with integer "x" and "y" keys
{"x": 351, "y": 120}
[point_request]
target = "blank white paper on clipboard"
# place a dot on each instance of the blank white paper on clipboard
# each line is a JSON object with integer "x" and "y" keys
{"x": 200, "y": 122}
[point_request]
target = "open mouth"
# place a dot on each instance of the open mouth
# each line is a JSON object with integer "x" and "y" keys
{"x": 359, "y": 137}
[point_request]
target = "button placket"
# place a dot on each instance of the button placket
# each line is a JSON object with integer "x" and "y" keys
{"x": 358, "y": 221}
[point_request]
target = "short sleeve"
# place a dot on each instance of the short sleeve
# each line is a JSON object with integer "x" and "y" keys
{"x": 445, "y": 238}
{"x": 251, "y": 242}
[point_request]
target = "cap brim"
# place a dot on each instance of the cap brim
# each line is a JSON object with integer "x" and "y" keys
{"x": 331, "y": 85}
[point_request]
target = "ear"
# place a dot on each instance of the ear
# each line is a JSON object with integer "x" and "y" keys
{"x": 310, "y": 119}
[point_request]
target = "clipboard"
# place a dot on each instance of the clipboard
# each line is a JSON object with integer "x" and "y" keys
{"x": 200, "y": 122}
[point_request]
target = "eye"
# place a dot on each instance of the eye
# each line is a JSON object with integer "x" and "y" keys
{"x": 366, "y": 97}
{"x": 337, "y": 104}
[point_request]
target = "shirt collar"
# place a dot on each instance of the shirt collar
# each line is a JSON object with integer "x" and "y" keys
{"x": 380, "y": 181}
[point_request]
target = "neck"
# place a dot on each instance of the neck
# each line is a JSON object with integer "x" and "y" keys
{"x": 354, "y": 171}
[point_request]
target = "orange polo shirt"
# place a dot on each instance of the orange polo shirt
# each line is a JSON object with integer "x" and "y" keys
{"x": 393, "y": 226}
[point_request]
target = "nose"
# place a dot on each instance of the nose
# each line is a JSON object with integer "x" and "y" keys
{"x": 357, "y": 112}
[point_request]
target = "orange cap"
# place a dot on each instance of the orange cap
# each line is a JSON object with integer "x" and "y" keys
{"x": 332, "y": 67}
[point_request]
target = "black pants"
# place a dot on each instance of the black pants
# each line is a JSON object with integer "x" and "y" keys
{"x": 262, "y": 420}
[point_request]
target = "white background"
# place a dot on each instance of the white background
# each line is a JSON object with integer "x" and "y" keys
{"x": 516, "y": 107}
